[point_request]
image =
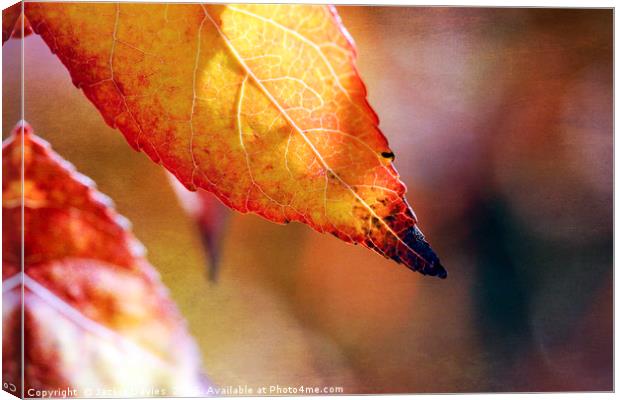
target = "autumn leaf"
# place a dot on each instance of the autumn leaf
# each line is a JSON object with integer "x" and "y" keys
{"x": 95, "y": 312}
{"x": 211, "y": 217}
{"x": 260, "y": 104}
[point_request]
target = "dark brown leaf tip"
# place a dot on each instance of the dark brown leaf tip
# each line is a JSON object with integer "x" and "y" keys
{"x": 430, "y": 265}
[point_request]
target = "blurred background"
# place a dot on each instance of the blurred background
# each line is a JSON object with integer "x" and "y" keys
{"x": 501, "y": 122}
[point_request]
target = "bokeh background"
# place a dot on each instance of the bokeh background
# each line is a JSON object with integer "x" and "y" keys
{"x": 501, "y": 121}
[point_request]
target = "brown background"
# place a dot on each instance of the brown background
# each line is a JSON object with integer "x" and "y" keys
{"x": 501, "y": 121}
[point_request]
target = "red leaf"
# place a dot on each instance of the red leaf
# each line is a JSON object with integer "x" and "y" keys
{"x": 96, "y": 313}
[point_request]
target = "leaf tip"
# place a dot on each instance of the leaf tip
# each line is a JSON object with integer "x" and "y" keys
{"x": 426, "y": 262}
{"x": 437, "y": 270}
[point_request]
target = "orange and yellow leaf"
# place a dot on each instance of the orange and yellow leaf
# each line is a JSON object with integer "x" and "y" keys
{"x": 260, "y": 104}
